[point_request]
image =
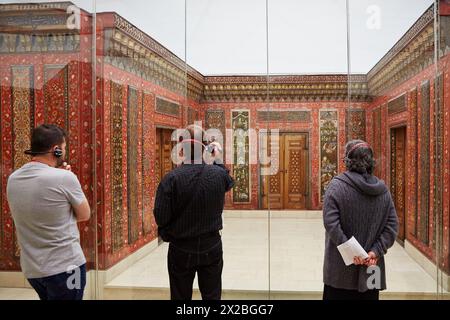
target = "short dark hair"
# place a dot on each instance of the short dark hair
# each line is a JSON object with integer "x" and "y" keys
{"x": 359, "y": 159}
{"x": 45, "y": 136}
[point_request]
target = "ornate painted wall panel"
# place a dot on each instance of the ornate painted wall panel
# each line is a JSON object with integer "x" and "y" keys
{"x": 397, "y": 175}
{"x": 74, "y": 98}
{"x": 284, "y": 115}
{"x": 132, "y": 165}
{"x": 355, "y": 124}
{"x": 192, "y": 115}
{"x": 56, "y": 98}
{"x": 42, "y": 42}
{"x": 438, "y": 159}
{"x": 424, "y": 154}
{"x": 414, "y": 168}
{"x": 2, "y": 226}
{"x": 81, "y": 121}
{"x": 148, "y": 172}
{"x": 376, "y": 138}
{"x": 392, "y": 186}
{"x": 215, "y": 119}
{"x": 240, "y": 121}
{"x": 397, "y": 105}
{"x": 158, "y": 164}
{"x": 167, "y": 107}
{"x": 23, "y": 112}
{"x": 22, "y": 119}
{"x": 383, "y": 159}
{"x": 6, "y": 143}
{"x": 116, "y": 164}
{"x": 328, "y": 122}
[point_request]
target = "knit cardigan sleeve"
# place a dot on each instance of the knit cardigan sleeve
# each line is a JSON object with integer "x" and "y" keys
{"x": 389, "y": 233}
{"x": 331, "y": 215}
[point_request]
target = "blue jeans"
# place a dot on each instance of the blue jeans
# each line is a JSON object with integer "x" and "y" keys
{"x": 57, "y": 287}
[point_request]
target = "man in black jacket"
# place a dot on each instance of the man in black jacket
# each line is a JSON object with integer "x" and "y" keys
{"x": 188, "y": 210}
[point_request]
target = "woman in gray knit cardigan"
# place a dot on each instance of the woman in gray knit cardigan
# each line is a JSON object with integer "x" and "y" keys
{"x": 357, "y": 204}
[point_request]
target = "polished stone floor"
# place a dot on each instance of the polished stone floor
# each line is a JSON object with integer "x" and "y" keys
{"x": 293, "y": 265}
{"x": 292, "y": 268}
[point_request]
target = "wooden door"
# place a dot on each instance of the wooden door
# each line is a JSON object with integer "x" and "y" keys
{"x": 397, "y": 185}
{"x": 166, "y": 149}
{"x": 295, "y": 171}
{"x": 163, "y": 149}
{"x": 272, "y": 195}
{"x": 286, "y": 188}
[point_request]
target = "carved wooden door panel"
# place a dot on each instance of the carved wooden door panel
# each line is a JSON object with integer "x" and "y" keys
{"x": 398, "y": 155}
{"x": 286, "y": 187}
{"x": 163, "y": 148}
{"x": 295, "y": 171}
{"x": 273, "y": 184}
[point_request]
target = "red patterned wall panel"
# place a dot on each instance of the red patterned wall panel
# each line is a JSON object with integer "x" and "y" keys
{"x": 215, "y": 119}
{"x": 445, "y": 68}
{"x": 355, "y": 125}
{"x": 413, "y": 167}
{"x": 23, "y": 112}
{"x": 148, "y": 170}
{"x": 438, "y": 228}
{"x": 385, "y": 138}
{"x": 104, "y": 168}
{"x": 418, "y": 161}
{"x": 147, "y": 91}
{"x": 117, "y": 158}
{"x": 140, "y": 167}
{"x": 22, "y": 120}
{"x": 1, "y": 165}
{"x": 8, "y": 262}
{"x": 376, "y": 140}
{"x": 56, "y": 98}
{"x": 424, "y": 160}
{"x": 132, "y": 165}
{"x": 36, "y": 88}
{"x": 56, "y": 109}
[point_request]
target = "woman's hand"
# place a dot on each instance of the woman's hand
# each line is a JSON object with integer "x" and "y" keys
{"x": 372, "y": 260}
{"x": 357, "y": 261}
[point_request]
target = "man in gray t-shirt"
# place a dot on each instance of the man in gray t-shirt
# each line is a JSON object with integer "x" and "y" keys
{"x": 46, "y": 201}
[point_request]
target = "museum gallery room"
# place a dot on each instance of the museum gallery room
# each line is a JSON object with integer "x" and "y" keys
{"x": 283, "y": 84}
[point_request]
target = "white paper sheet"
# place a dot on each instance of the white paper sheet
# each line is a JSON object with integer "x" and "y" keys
{"x": 351, "y": 249}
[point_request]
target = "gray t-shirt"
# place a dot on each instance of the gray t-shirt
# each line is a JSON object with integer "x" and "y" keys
{"x": 40, "y": 199}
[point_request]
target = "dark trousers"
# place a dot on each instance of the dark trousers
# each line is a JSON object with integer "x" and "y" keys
{"x": 203, "y": 256}
{"x": 331, "y": 293}
{"x": 62, "y": 286}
